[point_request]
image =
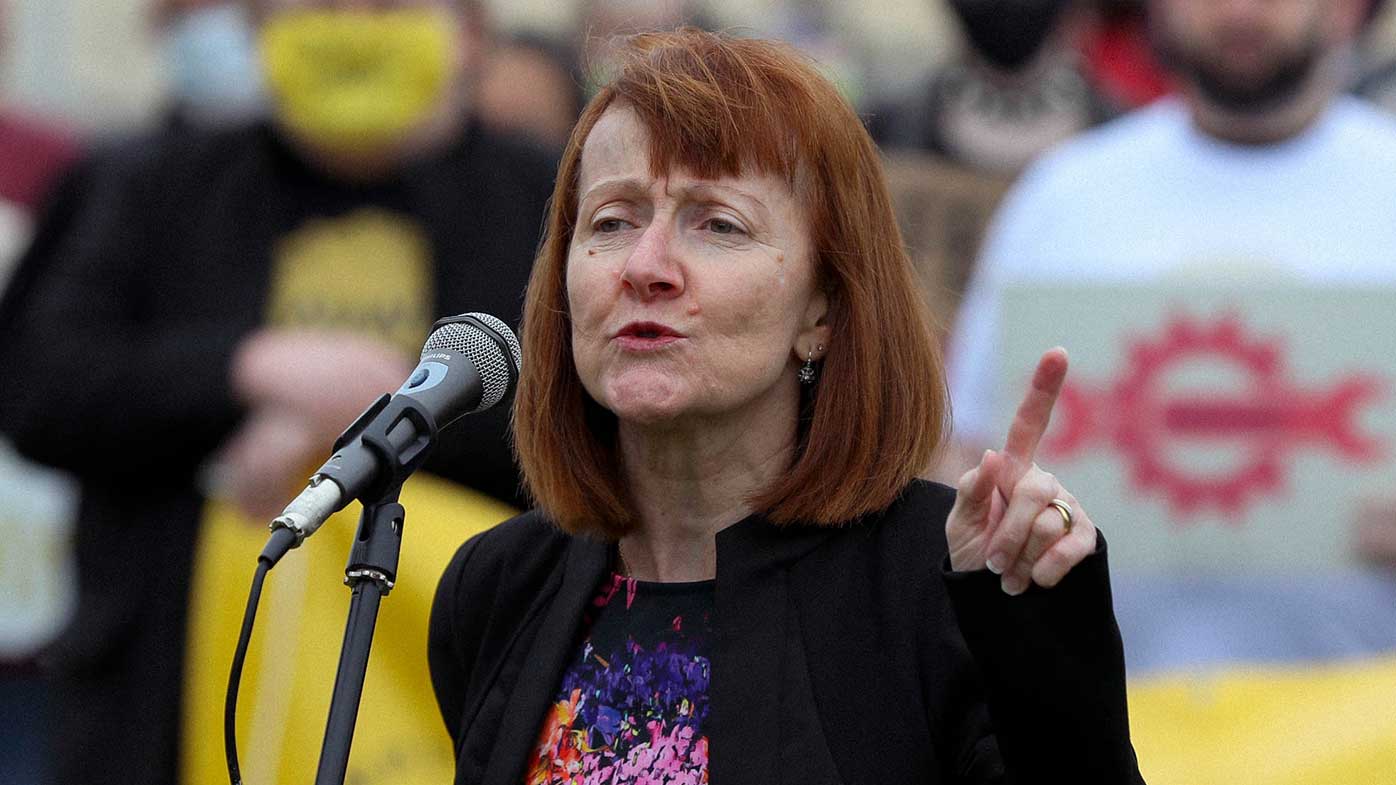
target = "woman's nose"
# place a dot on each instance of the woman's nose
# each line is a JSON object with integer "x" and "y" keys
{"x": 652, "y": 271}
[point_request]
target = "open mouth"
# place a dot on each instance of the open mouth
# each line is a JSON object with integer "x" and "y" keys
{"x": 648, "y": 330}
{"x": 647, "y": 335}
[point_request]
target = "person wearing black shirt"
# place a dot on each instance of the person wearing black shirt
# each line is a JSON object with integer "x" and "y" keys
{"x": 207, "y": 311}
{"x": 1015, "y": 91}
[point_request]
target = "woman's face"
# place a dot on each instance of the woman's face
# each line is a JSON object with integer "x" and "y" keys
{"x": 689, "y": 298}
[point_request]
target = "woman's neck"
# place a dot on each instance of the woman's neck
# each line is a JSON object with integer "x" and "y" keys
{"x": 690, "y": 480}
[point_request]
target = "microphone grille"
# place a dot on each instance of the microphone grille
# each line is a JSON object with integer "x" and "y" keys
{"x": 471, "y": 337}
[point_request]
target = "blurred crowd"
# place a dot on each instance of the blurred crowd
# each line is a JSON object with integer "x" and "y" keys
{"x": 327, "y": 177}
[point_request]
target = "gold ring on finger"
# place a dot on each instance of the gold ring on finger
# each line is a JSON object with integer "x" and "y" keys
{"x": 1063, "y": 508}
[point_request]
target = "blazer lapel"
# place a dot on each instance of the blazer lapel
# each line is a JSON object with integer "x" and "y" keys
{"x": 747, "y": 726}
{"x": 545, "y": 660}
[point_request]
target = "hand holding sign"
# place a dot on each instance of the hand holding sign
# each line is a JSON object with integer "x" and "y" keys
{"x": 1006, "y": 516}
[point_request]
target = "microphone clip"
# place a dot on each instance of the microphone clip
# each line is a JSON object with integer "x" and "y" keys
{"x": 394, "y": 462}
{"x": 391, "y": 455}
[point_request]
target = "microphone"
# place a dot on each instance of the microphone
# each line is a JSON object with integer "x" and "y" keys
{"x": 468, "y": 364}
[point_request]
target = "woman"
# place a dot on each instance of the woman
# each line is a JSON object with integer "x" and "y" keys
{"x": 732, "y": 573}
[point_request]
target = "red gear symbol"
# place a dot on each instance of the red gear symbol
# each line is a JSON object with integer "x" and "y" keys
{"x": 1268, "y": 418}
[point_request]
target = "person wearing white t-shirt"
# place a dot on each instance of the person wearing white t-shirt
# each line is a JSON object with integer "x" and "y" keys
{"x": 1260, "y": 163}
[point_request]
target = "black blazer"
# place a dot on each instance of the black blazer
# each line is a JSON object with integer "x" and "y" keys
{"x": 841, "y": 655}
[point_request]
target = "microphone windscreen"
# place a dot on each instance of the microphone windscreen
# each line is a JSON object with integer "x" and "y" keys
{"x": 479, "y": 337}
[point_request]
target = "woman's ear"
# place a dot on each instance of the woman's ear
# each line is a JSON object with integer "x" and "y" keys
{"x": 813, "y": 339}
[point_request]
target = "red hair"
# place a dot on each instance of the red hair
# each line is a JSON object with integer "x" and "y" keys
{"x": 716, "y": 105}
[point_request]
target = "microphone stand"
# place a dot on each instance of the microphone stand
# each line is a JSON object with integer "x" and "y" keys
{"x": 370, "y": 574}
{"x": 395, "y": 435}
{"x": 372, "y": 567}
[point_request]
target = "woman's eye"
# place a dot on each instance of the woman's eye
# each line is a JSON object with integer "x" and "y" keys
{"x": 608, "y": 225}
{"x": 720, "y": 226}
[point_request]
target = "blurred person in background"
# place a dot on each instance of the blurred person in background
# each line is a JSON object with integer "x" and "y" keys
{"x": 33, "y": 152}
{"x": 531, "y": 86}
{"x": 1377, "y": 82}
{"x": 210, "y": 53}
{"x": 819, "y": 29}
{"x": 1119, "y": 55}
{"x": 1261, "y": 160}
{"x": 35, "y": 504}
{"x": 226, "y": 302}
{"x": 214, "y": 81}
{"x": 1016, "y": 90}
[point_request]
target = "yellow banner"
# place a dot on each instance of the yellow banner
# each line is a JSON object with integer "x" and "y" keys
{"x": 1318, "y": 724}
{"x": 289, "y": 674}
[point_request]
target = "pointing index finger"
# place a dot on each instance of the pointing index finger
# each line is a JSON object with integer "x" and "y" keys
{"x": 1035, "y": 412}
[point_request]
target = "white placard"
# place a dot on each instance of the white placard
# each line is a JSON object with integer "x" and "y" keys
{"x": 1214, "y": 429}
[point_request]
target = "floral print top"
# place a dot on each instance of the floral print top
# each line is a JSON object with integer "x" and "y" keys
{"x": 632, "y": 707}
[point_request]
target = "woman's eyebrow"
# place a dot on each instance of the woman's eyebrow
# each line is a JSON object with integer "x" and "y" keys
{"x": 695, "y": 190}
{"x": 706, "y": 190}
{"x": 614, "y": 185}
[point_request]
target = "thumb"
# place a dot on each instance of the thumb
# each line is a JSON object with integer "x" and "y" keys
{"x": 976, "y": 488}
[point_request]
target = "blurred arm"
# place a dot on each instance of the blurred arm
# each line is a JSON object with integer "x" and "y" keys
{"x": 93, "y": 384}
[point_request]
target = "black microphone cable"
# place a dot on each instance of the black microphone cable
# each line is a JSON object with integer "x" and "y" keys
{"x": 281, "y": 540}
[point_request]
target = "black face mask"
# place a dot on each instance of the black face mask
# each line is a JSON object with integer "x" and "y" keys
{"x": 1115, "y": 10}
{"x": 1008, "y": 33}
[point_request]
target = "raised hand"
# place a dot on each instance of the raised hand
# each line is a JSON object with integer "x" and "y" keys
{"x": 1005, "y": 516}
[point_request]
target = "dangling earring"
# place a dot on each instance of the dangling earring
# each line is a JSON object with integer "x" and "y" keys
{"x": 807, "y": 370}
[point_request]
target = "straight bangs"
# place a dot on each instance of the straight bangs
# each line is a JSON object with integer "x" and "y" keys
{"x": 716, "y": 106}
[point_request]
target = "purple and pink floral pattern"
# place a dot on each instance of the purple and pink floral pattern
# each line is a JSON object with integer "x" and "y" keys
{"x": 631, "y": 706}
